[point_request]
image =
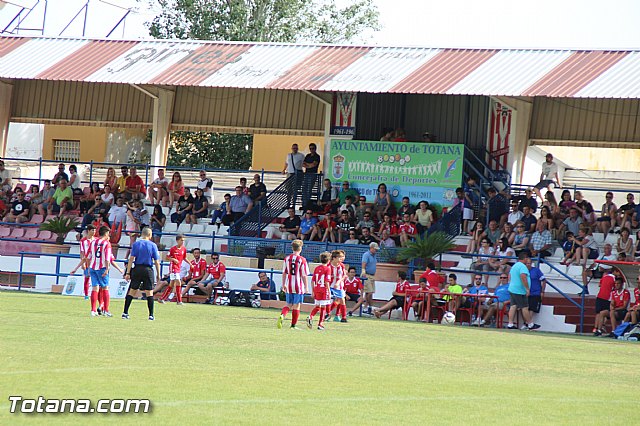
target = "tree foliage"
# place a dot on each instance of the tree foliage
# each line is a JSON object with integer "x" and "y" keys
{"x": 289, "y": 21}
{"x": 213, "y": 150}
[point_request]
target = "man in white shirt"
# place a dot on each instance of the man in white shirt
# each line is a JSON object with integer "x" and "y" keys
{"x": 549, "y": 172}
{"x": 293, "y": 162}
{"x": 206, "y": 184}
{"x": 515, "y": 214}
{"x": 158, "y": 193}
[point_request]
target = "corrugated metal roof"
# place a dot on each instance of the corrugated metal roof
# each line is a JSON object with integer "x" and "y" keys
{"x": 551, "y": 73}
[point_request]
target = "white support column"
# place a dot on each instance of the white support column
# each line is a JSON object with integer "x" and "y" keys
{"x": 518, "y": 150}
{"x": 5, "y": 115}
{"x": 327, "y": 129}
{"x": 162, "y": 117}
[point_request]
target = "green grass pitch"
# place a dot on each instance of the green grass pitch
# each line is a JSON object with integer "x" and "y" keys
{"x": 225, "y": 365}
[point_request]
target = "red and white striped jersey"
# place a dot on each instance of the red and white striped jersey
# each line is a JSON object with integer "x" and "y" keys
{"x": 338, "y": 275}
{"x": 321, "y": 282}
{"x": 295, "y": 267}
{"x": 100, "y": 254}
{"x": 85, "y": 243}
{"x": 198, "y": 268}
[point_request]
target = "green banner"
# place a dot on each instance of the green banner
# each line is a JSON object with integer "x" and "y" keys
{"x": 420, "y": 171}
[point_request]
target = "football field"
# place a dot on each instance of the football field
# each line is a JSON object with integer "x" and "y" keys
{"x": 225, "y": 365}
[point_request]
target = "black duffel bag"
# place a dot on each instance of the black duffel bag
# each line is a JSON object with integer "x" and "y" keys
{"x": 247, "y": 298}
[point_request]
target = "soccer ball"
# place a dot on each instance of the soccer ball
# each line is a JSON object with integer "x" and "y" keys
{"x": 448, "y": 318}
{"x": 255, "y": 303}
{"x": 223, "y": 301}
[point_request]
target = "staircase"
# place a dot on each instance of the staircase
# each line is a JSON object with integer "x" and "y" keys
{"x": 288, "y": 193}
{"x": 562, "y": 306}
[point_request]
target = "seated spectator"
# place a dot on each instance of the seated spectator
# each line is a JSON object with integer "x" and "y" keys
{"x": 607, "y": 215}
{"x": 221, "y": 211}
{"x": 625, "y": 244}
{"x": 258, "y": 190}
{"x": 184, "y": 207}
{"x": 121, "y": 182}
{"x": 452, "y": 286}
{"x": 434, "y": 279}
{"x": 382, "y": 202}
{"x": 291, "y": 225}
{"x": 328, "y": 198}
{"x": 349, "y": 207}
{"x": 423, "y": 216}
{"x": 528, "y": 200}
{"x": 238, "y": 206}
{"x": 388, "y": 225}
{"x": 61, "y": 200}
{"x": 206, "y": 184}
{"x": 483, "y": 262}
{"x": 587, "y": 247}
{"x": 158, "y": 220}
{"x": 569, "y": 248}
{"x": 633, "y": 314}
{"x": 477, "y": 287}
{"x": 493, "y": 232}
{"x": 406, "y": 207}
{"x": 243, "y": 185}
{"x": 529, "y": 220}
{"x": 110, "y": 179}
{"x": 571, "y": 223}
{"x": 515, "y": 214}
{"x": 107, "y": 196}
{"x": 618, "y": 306}
{"x": 362, "y": 207}
{"x": 626, "y": 211}
{"x": 32, "y": 195}
{"x": 366, "y": 238}
{"x": 138, "y": 217}
{"x": 477, "y": 234}
{"x": 547, "y": 221}
{"x": 60, "y": 175}
{"x": 344, "y": 225}
{"x": 503, "y": 248}
{"x": 265, "y": 285}
{"x": 366, "y": 222}
{"x": 175, "y": 188}
{"x": 386, "y": 240}
{"x": 508, "y": 232}
{"x": 6, "y": 183}
{"x": 346, "y": 192}
{"x": 353, "y": 287}
{"x": 99, "y": 210}
{"x": 521, "y": 240}
{"x": 217, "y": 273}
{"x": 19, "y": 212}
{"x": 198, "y": 271}
{"x": 352, "y": 238}
{"x": 541, "y": 241}
{"x": 325, "y": 229}
{"x": 159, "y": 189}
{"x": 118, "y": 212}
{"x": 564, "y": 207}
{"x": 200, "y": 207}
{"x": 88, "y": 200}
{"x": 407, "y": 230}
{"x": 492, "y": 306}
{"x": 552, "y": 204}
{"x": 74, "y": 181}
{"x": 134, "y": 186}
{"x": 417, "y": 301}
{"x": 307, "y": 225}
{"x": 398, "y": 296}
{"x": 585, "y": 209}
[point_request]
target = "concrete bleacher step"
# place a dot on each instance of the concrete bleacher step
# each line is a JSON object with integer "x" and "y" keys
{"x": 562, "y": 306}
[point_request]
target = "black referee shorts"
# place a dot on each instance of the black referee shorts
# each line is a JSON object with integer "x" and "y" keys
{"x": 141, "y": 278}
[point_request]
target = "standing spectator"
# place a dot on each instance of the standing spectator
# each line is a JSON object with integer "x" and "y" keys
{"x": 258, "y": 190}
{"x": 5, "y": 180}
{"x": 603, "y": 300}
{"x": 496, "y": 206}
{"x": 110, "y": 179}
{"x": 293, "y": 162}
{"x": 382, "y": 202}
{"x": 61, "y": 175}
{"x": 311, "y": 163}
{"x": 206, "y": 184}
{"x": 121, "y": 183}
{"x": 519, "y": 287}
{"x": 158, "y": 190}
{"x": 61, "y": 200}
{"x": 368, "y": 275}
{"x": 291, "y": 225}
{"x": 184, "y": 208}
{"x": 221, "y": 211}
{"x": 307, "y": 225}
{"x": 176, "y": 188}
{"x": 265, "y": 285}
{"x": 20, "y": 209}
{"x": 424, "y": 217}
{"x": 200, "y": 208}
{"x": 547, "y": 176}
{"x": 158, "y": 220}
{"x": 606, "y": 221}
{"x": 134, "y": 186}
{"x": 536, "y": 292}
{"x": 238, "y": 206}
{"x": 541, "y": 241}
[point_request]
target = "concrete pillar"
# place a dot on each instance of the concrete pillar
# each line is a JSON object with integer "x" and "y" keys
{"x": 5, "y": 115}
{"x": 520, "y": 141}
{"x": 162, "y": 117}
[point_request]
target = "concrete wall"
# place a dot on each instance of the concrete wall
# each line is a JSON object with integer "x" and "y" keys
{"x": 92, "y": 140}
{"x": 270, "y": 151}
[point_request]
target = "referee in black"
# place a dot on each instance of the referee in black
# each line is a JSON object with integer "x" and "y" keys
{"x": 144, "y": 253}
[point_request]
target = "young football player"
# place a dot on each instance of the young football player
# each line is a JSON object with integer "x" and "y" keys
{"x": 321, "y": 282}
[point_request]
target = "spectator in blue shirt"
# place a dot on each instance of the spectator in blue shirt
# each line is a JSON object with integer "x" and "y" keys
{"x": 306, "y": 225}
{"x": 475, "y": 288}
{"x": 265, "y": 285}
{"x": 538, "y": 285}
{"x": 519, "y": 287}
{"x": 494, "y": 306}
{"x": 238, "y": 206}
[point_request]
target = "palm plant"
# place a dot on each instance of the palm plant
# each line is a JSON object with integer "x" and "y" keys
{"x": 60, "y": 226}
{"x": 426, "y": 248}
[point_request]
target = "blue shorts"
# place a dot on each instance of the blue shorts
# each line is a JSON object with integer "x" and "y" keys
{"x": 97, "y": 279}
{"x": 294, "y": 299}
{"x": 86, "y": 272}
{"x": 338, "y": 294}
